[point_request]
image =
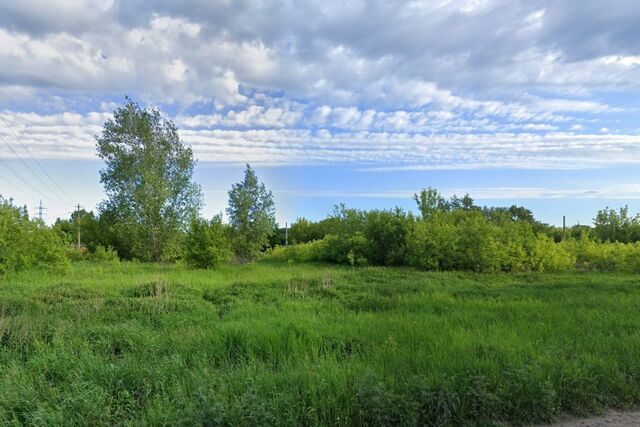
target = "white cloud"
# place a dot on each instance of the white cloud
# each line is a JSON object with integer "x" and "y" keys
{"x": 625, "y": 60}
{"x": 70, "y": 135}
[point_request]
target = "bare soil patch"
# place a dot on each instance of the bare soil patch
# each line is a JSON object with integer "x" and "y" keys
{"x": 609, "y": 419}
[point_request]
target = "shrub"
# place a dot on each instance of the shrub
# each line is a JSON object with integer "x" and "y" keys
{"x": 26, "y": 243}
{"x": 351, "y": 250}
{"x": 478, "y": 246}
{"x": 593, "y": 255}
{"x": 302, "y": 252}
{"x": 386, "y": 233}
{"x": 431, "y": 244}
{"x": 77, "y": 254}
{"x": 105, "y": 254}
{"x": 546, "y": 255}
{"x": 207, "y": 243}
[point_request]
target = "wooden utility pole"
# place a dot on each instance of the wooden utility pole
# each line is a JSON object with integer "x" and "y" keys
{"x": 78, "y": 223}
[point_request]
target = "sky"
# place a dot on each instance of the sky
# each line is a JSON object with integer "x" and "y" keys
{"x": 525, "y": 102}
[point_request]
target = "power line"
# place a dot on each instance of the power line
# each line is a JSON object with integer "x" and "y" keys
{"x": 21, "y": 190}
{"x": 58, "y": 215}
{"x": 33, "y": 158}
{"x": 14, "y": 173}
{"x": 26, "y": 164}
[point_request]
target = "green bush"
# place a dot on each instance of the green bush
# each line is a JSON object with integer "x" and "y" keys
{"x": 207, "y": 243}
{"x": 478, "y": 245}
{"x": 432, "y": 244}
{"x": 386, "y": 233}
{"x": 351, "y": 250}
{"x": 302, "y": 252}
{"x": 546, "y": 255}
{"x": 604, "y": 256}
{"x": 77, "y": 254}
{"x": 105, "y": 254}
{"x": 26, "y": 243}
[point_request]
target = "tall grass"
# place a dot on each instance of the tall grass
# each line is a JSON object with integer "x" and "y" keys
{"x": 273, "y": 344}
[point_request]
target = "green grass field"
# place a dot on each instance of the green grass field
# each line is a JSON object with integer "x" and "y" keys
{"x": 281, "y": 344}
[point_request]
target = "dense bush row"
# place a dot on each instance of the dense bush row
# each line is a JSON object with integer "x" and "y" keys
{"x": 454, "y": 235}
{"x": 462, "y": 241}
{"x": 26, "y": 243}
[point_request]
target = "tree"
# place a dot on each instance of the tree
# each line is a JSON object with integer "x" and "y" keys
{"x": 89, "y": 229}
{"x": 251, "y": 215}
{"x": 147, "y": 179}
{"x": 303, "y": 231}
{"x": 617, "y": 226}
{"x": 207, "y": 243}
{"x": 430, "y": 201}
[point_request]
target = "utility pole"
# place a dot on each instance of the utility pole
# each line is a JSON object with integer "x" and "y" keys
{"x": 40, "y": 209}
{"x": 286, "y": 234}
{"x": 78, "y": 223}
{"x": 564, "y": 227}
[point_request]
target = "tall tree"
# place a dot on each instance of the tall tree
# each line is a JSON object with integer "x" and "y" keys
{"x": 148, "y": 181}
{"x": 430, "y": 201}
{"x": 251, "y": 215}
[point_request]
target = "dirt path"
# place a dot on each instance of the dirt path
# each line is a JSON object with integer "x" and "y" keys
{"x": 609, "y": 419}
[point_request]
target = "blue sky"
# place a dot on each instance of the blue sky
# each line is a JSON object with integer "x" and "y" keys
{"x": 363, "y": 102}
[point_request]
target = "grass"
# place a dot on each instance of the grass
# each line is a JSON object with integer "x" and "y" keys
{"x": 274, "y": 344}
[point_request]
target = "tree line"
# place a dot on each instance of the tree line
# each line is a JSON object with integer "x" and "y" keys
{"x": 152, "y": 213}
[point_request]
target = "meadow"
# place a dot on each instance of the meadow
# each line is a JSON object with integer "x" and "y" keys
{"x": 275, "y": 343}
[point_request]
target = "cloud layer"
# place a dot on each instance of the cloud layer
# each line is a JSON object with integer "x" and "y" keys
{"x": 386, "y": 85}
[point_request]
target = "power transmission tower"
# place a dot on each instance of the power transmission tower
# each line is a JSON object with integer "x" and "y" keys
{"x": 78, "y": 223}
{"x": 40, "y": 210}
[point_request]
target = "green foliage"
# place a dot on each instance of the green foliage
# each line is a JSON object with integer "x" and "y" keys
{"x": 147, "y": 179}
{"x": 607, "y": 256}
{"x": 455, "y": 234}
{"x": 313, "y": 345}
{"x": 303, "y": 231}
{"x": 77, "y": 254}
{"x": 430, "y": 201}
{"x": 251, "y": 215}
{"x": 345, "y": 242}
{"x": 299, "y": 253}
{"x": 550, "y": 256}
{"x": 90, "y": 231}
{"x": 26, "y": 243}
{"x": 387, "y": 233}
{"x": 102, "y": 254}
{"x": 207, "y": 243}
{"x": 467, "y": 240}
{"x": 430, "y": 244}
{"x": 613, "y": 226}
